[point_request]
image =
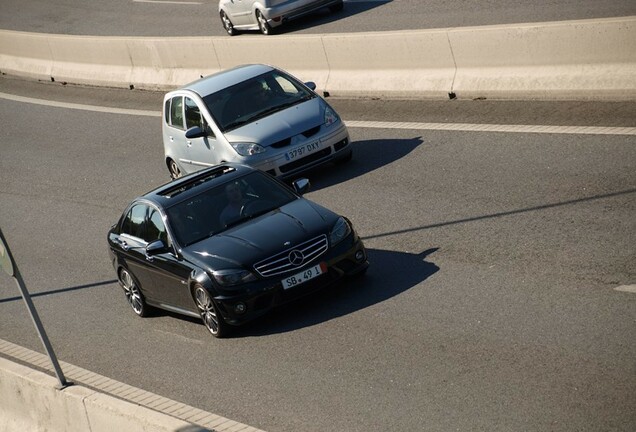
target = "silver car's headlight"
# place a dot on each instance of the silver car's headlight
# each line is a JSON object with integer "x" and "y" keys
{"x": 339, "y": 231}
{"x": 330, "y": 117}
{"x": 232, "y": 277}
{"x": 247, "y": 149}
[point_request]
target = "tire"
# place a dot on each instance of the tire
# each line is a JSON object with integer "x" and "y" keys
{"x": 337, "y": 7}
{"x": 227, "y": 24}
{"x": 264, "y": 27}
{"x": 209, "y": 312}
{"x": 175, "y": 171}
{"x": 133, "y": 293}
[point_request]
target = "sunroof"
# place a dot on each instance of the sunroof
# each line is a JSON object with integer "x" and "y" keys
{"x": 196, "y": 181}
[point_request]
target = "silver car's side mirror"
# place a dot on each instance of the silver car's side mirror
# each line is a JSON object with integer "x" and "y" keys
{"x": 311, "y": 85}
{"x": 195, "y": 132}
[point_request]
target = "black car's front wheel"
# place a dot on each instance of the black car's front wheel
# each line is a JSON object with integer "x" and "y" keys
{"x": 133, "y": 293}
{"x": 210, "y": 315}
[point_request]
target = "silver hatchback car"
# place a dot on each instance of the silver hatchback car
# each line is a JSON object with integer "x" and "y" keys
{"x": 255, "y": 115}
{"x": 265, "y": 15}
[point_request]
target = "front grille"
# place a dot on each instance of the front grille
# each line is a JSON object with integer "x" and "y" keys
{"x": 311, "y": 132}
{"x": 282, "y": 143}
{"x": 306, "y": 160}
{"x": 281, "y": 263}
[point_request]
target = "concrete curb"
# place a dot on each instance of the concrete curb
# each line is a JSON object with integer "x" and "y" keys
{"x": 589, "y": 59}
{"x": 31, "y": 401}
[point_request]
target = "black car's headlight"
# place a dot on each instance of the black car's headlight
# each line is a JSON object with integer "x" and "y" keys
{"x": 231, "y": 277}
{"x": 340, "y": 230}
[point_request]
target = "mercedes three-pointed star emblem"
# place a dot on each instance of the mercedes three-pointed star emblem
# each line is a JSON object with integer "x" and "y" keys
{"x": 296, "y": 257}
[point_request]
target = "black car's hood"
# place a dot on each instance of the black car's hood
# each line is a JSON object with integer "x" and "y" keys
{"x": 259, "y": 238}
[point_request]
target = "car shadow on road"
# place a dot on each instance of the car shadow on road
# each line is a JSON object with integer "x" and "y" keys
{"x": 368, "y": 155}
{"x": 325, "y": 16}
{"x": 390, "y": 274}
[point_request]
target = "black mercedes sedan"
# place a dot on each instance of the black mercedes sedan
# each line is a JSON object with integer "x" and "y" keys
{"x": 228, "y": 244}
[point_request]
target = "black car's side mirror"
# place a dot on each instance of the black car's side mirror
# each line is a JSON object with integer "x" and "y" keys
{"x": 155, "y": 248}
{"x": 195, "y": 132}
{"x": 301, "y": 186}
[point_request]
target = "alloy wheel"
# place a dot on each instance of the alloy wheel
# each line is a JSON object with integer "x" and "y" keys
{"x": 208, "y": 311}
{"x": 132, "y": 292}
{"x": 262, "y": 23}
{"x": 175, "y": 171}
{"x": 227, "y": 24}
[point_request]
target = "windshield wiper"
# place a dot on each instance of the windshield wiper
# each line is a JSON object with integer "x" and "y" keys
{"x": 236, "y": 124}
{"x": 246, "y": 218}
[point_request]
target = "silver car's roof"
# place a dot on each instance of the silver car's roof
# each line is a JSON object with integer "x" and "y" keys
{"x": 226, "y": 78}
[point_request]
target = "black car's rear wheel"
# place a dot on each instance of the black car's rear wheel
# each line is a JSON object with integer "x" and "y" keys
{"x": 212, "y": 320}
{"x": 227, "y": 24}
{"x": 133, "y": 293}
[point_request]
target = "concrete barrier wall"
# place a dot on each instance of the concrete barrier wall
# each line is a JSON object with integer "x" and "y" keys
{"x": 564, "y": 59}
{"x": 31, "y": 402}
{"x": 572, "y": 59}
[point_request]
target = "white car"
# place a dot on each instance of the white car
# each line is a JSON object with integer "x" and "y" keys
{"x": 255, "y": 115}
{"x": 265, "y": 15}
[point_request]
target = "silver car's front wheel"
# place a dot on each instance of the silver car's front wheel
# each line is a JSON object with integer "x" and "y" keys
{"x": 175, "y": 171}
{"x": 209, "y": 314}
{"x": 262, "y": 23}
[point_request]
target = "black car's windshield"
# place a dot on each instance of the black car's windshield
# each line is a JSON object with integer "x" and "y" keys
{"x": 255, "y": 98}
{"x": 220, "y": 207}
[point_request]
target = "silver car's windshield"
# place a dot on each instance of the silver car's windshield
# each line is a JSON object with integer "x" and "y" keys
{"x": 254, "y": 99}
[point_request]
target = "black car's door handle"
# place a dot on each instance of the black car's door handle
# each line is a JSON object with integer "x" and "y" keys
{"x": 122, "y": 244}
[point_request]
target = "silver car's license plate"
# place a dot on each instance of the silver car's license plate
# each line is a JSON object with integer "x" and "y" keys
{"x": 302, "y": 150}
{"x": 304, "y": 276}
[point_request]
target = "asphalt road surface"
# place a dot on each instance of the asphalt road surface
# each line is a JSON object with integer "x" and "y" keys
{"x": 490, "y": 303}
{"x": 200, "y": 17}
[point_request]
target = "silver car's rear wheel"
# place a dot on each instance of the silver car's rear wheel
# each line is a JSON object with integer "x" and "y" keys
{"x": 209, "y": 313}
{"x": 262, "y": 23}
{"x": 133, "y": 293}
{"x": 175, "y": 171}
{"x": 227, "y": 24}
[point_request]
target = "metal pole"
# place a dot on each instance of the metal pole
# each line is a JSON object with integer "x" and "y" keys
{"x": 12, "y": 269}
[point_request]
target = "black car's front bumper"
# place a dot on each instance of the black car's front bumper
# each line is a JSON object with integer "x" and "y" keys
{"x": 344, "y": 260}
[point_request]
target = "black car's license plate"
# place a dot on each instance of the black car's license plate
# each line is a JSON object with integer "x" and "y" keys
{"x": 304, "y": 276}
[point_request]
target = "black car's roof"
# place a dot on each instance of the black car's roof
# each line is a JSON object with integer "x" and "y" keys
{"x": 191, "y": 185}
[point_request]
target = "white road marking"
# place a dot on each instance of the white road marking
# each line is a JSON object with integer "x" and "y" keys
{"x": 626, "y": 288}
{"x": 461, "y": 127}
{"x": 469, "y": 127}
{"x": 80, "y": 106}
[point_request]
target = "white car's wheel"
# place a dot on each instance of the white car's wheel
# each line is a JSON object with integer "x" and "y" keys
{"x": 227, "y": 24}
